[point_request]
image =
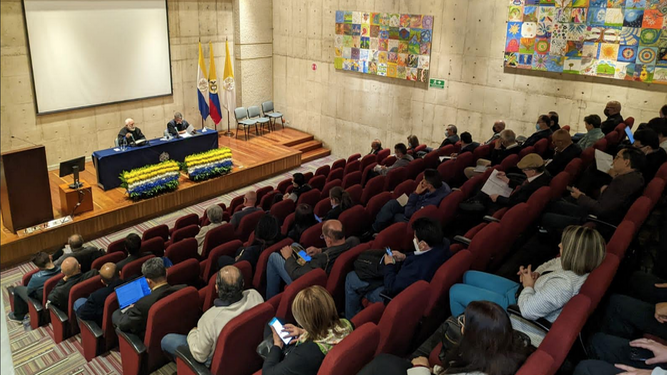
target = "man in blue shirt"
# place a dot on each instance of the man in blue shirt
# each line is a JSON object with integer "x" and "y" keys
{"x": 401, "y": 270}
{"x": 430, "y": 191}
{"x": 35, "y": 287}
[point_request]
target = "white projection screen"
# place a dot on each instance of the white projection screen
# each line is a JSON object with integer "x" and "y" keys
{"x": 86, "y": 53}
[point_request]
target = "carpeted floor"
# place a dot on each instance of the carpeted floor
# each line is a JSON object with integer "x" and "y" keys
{"x": 34, "y": 352}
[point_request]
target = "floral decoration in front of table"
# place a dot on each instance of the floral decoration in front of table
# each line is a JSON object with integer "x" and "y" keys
{"x": 151, "y": 180}
{"x": 209, "y": 164}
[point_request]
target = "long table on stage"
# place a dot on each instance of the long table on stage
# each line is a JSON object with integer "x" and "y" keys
{"x": 110, "y": 163}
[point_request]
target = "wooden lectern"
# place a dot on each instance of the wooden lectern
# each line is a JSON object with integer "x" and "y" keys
{"x": 70, "y": 197}
{"x": 25, "y": 194}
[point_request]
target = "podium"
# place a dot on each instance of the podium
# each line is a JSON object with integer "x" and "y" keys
{"x": 70, "y": 197}
{"x": 25, "y": 194}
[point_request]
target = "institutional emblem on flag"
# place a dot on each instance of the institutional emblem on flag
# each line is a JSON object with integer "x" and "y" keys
{"x": 202, "y": 86}
{"x": 228, "y": 84}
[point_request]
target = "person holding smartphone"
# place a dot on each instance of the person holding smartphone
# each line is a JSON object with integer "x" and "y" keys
{"x": 641, "y": 357}
{"x": 317, "y": 331}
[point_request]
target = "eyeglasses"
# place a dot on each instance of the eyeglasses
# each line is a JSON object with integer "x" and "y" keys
{"x": 321, "y": 236}
{"x": 462, "y": 320}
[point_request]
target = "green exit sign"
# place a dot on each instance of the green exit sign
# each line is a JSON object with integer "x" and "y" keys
{"x": 437, "y": 83}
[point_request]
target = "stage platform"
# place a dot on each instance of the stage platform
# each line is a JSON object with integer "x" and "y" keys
{"x": 254, "y": 160}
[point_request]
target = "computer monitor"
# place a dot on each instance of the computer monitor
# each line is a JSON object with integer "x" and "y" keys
{"x": 629, "y": 133}
{"x": 73, "y": 166}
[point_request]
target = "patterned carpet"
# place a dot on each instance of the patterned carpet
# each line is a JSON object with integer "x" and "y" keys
{"x": 35, "y": 353}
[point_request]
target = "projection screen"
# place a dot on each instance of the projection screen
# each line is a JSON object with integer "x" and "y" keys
{"x": 86, "y": 53}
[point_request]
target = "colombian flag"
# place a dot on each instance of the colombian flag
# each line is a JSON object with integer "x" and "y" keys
{"x": 202, "y": 86}
{"x": 213, "y": 100}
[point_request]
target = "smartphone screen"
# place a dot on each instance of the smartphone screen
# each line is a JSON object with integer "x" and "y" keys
{"x": 388, "y": 250}
{"x": 275, "y": 323}
{"x": 305, "y": 256}
{"x": 319, "y": 220}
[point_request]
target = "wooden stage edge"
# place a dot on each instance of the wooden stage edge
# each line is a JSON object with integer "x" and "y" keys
{"x": 20, "y": 249}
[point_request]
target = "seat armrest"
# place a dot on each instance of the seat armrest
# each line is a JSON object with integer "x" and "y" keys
{"x": 463, "y": 240}
{"x": 540, "y": 323}
{"x": 134, "y": 340}
{"x": 386, "y": 297}
{"x": 595, "y": 219}
{"x": 61, "y": 315}
{"x": 183, "y": 353}
{"x": 36, "y": 304}
{"x": 92, "y": 327}
{"x": 490, "y": 219}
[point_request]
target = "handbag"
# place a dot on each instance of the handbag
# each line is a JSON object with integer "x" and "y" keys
{"x": 368, "y": 265}
{"x": 452, "y": 336}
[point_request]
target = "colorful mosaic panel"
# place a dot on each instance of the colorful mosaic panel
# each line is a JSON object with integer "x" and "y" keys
{"x": 385, "y": 44}
{"x": 619, "y": 39}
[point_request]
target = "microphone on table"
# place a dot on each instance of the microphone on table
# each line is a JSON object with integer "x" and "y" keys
{"x": 25, "y": 140}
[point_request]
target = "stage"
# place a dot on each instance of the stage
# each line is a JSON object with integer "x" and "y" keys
{"x": 254, "y": 160}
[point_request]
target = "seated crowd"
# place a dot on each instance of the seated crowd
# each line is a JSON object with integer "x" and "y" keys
{"x": 498, "y": 318}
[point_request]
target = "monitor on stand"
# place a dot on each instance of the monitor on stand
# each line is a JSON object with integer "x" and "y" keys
{"x": 73, "y": 166}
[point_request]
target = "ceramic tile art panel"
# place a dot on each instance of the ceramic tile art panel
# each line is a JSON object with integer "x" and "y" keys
{"x": 619, "y": 39}
{"x": 384, "y": 44}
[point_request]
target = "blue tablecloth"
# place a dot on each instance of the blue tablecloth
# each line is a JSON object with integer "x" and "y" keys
{"x": 110, "y": 163}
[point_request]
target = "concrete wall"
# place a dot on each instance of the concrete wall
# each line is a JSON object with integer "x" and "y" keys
{"x": 80, "y": 132}
{"x": 346, "y": 110}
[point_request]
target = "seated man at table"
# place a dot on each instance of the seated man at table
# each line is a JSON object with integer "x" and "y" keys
{"x": 177, "y": 126}
{"x": 130, "y": 134}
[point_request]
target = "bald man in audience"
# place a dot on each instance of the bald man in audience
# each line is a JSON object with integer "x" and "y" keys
{"x": 613, "y": 113}
{"x": 498, "y": 126}
{"x": 92, "y": 308}
{"x": 75, "y": 248}
{"x": 249, "y": 203}
{"x": 376, "y": 147}
{"x": 59, "y": 296}
{"x": 565, "y": 150}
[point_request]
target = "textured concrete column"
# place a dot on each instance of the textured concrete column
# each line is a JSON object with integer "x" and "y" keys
{"x": 253, "y": 51}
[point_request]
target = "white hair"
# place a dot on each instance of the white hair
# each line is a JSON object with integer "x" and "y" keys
{"x": 128, "y": 120}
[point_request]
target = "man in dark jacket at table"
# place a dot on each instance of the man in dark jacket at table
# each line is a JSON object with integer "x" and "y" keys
{"x": 177, "y": 125}
{"x": 130, "y": 133}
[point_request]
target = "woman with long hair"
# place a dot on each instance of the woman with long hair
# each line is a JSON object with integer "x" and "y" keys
{"x": 317, "y": 331}
{"x": 488, "y": 346}
{"x": 267, "y": 233}
{"x": 304, "y": 218}
{"x": 340, "y": 201}
{"x": 413, "y": 143}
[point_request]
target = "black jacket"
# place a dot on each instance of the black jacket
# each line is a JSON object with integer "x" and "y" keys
{"x": 523, "y": 192}
{"x": 304, "y": 359}
{"x": 610, "y": 123}
{"x": 93, "y": 309}
{"x": 136, "y": 134}
{"x": 497, "y": 155}
{"x": 130, "y": 258}
{"x": 85, "y": 256}
{"x": 236, "y": 218}
{"x": 59, "y": 296}
{"x": 537, "y": 136}
{"x": 469, "y": 147}
{"x": 333, "y": 213}
{"x": 561, "y": 159}
{"x": 135, "y": 318}
{"x": 325, "y": 260}
{"x": 654, "y": 161}
{"x": 173, "y": 128}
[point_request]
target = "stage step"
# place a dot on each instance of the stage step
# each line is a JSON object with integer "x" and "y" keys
{"x": 308, "y": 146}
{"x": 315, "y": 154}
{"x": 297, "y": 141}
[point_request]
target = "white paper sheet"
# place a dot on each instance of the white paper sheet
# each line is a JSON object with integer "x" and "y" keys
{"x": 494, "y": 185}
{"x": 603, "y": 161}
{"x": 402, "y": 200}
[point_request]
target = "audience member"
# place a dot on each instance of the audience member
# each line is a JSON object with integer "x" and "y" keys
{"x": 133, "y": 249}
{"x": 542, "y": 131}
{"x": 340, "y": 201}
{"x": 593, "y": 132}
{"x": 413, "y": 142}
{"x": 214, "y": 215}
{"x": 663, "y": 111}
{"x": 376, "y": 147}
{"x": 59, "y": 296}
{"x": 613, "y": 113}
{"x": 402, "y": 160}
{"x": 430, "y": 192}
{"x": 285, "y": 266}
{"x": 553, "y": 124}
{"x": 488, "y": 346}
{"x": 317, "y": 331}
{"x": 304, "y": 218}
{"x": 505, "y": 146}
{"x": 628, "y": 317}
{"x": 451, "y": 136}
{"x": 647, "y": 141}
{"x": 300, "y": 186}
{"x": 625, "y": 363}
{"x": 84, "y": 254}
{"x": 134, "y": 319}
{"x": 613, "y": 201}
{"x": 267, "y": 233}
{"x": 249, "y": 203}
{"x": 401, "y": 270}
{"x": 545, "y": 290}
{"x": 498, "y": 126}
{"x": 565, "y": 151}
{"x": 92, "y": 308}
{"x": 232, "y": 301}
{"x": 467, "y": 145}
{"x": 659, "y": 125}
{"x": 35, "y": 287}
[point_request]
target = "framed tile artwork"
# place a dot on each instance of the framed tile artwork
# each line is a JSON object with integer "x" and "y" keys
{"x": 384, "y": 44}
{"x": 616, "y": 39}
